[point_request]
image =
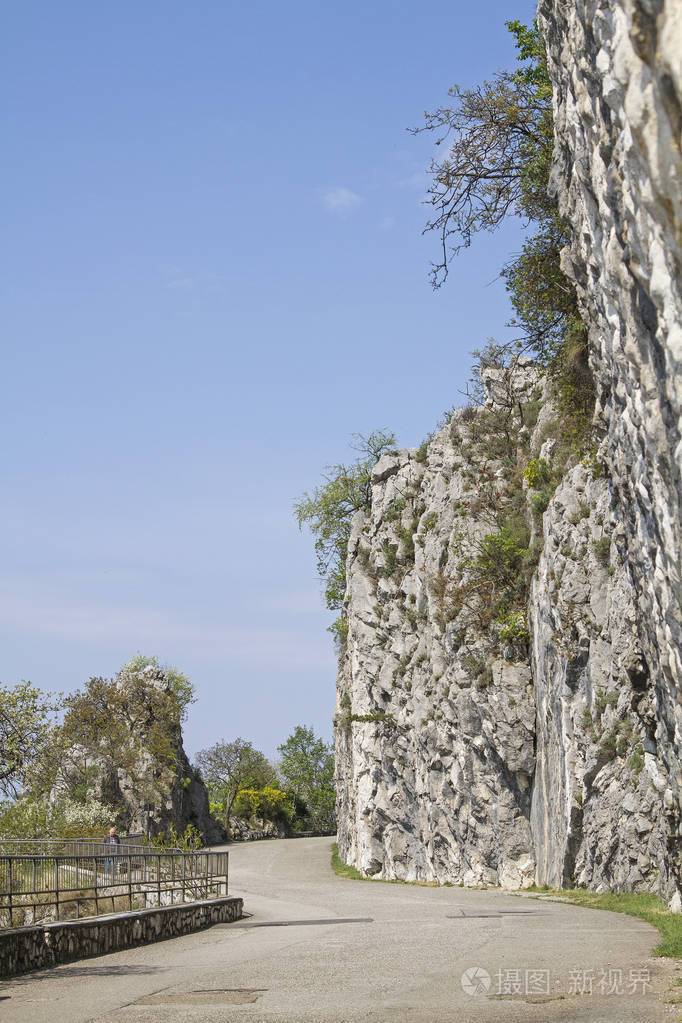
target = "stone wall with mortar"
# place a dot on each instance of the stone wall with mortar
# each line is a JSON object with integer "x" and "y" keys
{"x": 34, "y": 948}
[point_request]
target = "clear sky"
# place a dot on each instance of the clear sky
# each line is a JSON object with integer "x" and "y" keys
{"x": 213, "y": 273}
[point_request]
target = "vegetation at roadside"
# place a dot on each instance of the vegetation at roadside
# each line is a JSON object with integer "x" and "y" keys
{"x": 230, "y": 767}
{"x": 344, "y": 869}
{"x": 189, "y": 840}
{"x": 645, "y": 907}
{"x": 297, "y": 794}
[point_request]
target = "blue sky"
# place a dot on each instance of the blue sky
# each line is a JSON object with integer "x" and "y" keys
{"x": 213, "y": 274}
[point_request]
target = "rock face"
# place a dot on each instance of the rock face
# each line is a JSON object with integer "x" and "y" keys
{"x": 434, "y": 733}
{"x": 467, "y": 754}
{"x": 617, "y": 73}
{"x": 472, "y": 751}
{"x": 179, "y": 799}
{"x": 601, "y": 790}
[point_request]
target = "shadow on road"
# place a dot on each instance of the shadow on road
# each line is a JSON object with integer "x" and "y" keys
{"x": 69, "y": 972}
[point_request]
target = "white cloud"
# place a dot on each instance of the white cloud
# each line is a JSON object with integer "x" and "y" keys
{"x": 341, "y": 200}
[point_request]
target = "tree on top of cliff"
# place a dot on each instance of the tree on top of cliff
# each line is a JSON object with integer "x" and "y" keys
{"x": 498, "y": 139}
{"x": 498, "y": 146}
{"x": 328, "y": 511}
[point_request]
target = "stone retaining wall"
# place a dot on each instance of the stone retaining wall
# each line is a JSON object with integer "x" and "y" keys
{"x": 34, "y": 948}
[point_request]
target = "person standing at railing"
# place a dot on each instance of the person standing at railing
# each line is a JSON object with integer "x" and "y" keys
{"x": 111, "y": 839}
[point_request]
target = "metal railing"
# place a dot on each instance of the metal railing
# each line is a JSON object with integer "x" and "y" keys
{"x": 69, "y": 846}
{"x": 34, "y": 889}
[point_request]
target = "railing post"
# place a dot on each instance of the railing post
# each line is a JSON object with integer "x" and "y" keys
{"x": 56, "y": 883}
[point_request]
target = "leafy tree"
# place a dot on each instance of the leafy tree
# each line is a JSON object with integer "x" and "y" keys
{"x": 307, "y": 770}
{"x": 25, "y": 728}
{"x": 329, "y": 510}
{"x": 498, "y": 152}
{"x": 228, "y": 767}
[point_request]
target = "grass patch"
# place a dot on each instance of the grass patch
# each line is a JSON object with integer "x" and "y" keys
{"x": 343, "y": 869}
{"x": 645, "y": 907}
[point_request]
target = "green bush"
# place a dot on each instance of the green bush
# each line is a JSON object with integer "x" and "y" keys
{"x": 540, "y": 502}
{"x": 530, "y": 410}
{"x": 485, "y": 678}
{"x": 390, "y": 553}
{"x": 395, "y": 510}
{"x": 268, "y": 804}
{"x": 602, "y": 550}
{"x": 421, "y": 454}
{"x": 513, "y": 628}
{"x": 406, "y": 535}
{"x": 609, "y": 745}
{"x": 329, "y": 509}
{"x": 339, "y": 630}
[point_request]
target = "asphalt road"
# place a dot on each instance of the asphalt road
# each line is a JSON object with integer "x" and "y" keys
{"x": 320, "y": 949}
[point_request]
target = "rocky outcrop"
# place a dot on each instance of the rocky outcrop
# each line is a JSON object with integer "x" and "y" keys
{"x": 154, "y": 792}
{"x": 435, "y": 733}
{"x": 617, "y": 73}
{"x": 495, "y": 748}
{"x": 465, "y": 752}
{"x": 178, "y": 799}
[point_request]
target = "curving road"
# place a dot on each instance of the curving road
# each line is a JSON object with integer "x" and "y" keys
{"x": 320, "y": 949}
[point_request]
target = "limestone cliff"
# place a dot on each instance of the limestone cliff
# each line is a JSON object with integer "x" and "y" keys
{"x": 510, "y": 749}
{"x": 617, "y": 75}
